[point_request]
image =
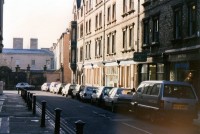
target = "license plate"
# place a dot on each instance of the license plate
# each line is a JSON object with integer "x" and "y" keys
{"x": 180, "y": 107}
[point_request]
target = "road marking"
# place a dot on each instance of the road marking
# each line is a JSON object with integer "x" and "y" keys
{"x": 137, "y": 128}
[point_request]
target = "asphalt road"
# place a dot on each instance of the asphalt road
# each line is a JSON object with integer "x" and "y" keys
{"x": 101, "y": 121}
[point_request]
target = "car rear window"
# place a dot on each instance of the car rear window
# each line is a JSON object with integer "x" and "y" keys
{"x": 178, "y": 91}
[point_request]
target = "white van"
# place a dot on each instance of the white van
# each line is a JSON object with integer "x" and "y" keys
{"x": 167, "y": 99}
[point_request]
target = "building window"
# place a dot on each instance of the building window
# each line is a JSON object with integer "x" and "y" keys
{"x": 155, "y": 29}
{"x": 124, "y": 44}
{"x": 146, "y": 32}
{"x": 86, "y": 27}
{"x": 100, "y": 19}
{"x": 96, "y": 22}
{"x": 124, "y": 6}
{"x": 131, "y": 37}
{"x": 32, "y": 62}
{"x": 114, "y": 12}
{"x": 192, "y": 10}
{"x": 108, "y": 44}
{"x": 131, "y": 5}
{"x": 98, "y": 47}
{"x": 108, "y": 15}
{"x": 90, "y": 26}
{"x": 113, "y": 42}
{"x": 88, "y": 50}
{"x": 81, "y": 31}
{"x": 177, "y": 23}
{"x": 81, "y": 53}
{"x": 81, "y": 11}
{"x": 87, "y": 6}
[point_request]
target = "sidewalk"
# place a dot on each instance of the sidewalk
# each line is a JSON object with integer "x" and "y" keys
{"x": 15, "y": 118}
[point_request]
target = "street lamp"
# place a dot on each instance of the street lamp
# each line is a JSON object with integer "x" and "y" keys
{"x": 1, "y": 48}
{"x": 28, "y": 72}
{"x": 118, "y": 62}
{"x": 17, "y": 70}
{"x": 92, "y": 74}
{"x": 45, "y": 69}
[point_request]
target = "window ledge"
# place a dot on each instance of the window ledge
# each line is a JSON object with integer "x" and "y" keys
{"x": 191, "y": 37}
{"x": 124, "y": 14}
{"x": 131, "y": 11}
{"x": 146, "y": 3}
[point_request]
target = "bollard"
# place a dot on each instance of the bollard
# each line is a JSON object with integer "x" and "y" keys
{"x": 30, "y": 101}
{"x": 43, "y": 114}
{"x": 79, "y": 126}
{"x": 27, "y": 98}
{"x": 57, "y": 121}
{"x": 34, "y": 104}
{"x": 25, "y": 94}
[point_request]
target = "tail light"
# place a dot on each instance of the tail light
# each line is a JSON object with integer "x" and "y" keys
{"x": 161, "y": 104}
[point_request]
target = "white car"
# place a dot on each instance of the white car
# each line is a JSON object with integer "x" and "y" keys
{"x": 52, "y": 86}
{"x": 24, "y": 85}
{"x": 65, "y": 90}
{"x": 45, "y": 86}
{"x": 58, "y": 88}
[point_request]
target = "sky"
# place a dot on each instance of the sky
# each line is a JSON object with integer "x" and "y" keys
{"x": 42, "y": 19}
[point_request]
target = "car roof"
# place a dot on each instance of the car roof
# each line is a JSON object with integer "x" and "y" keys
{"x": 166, "y": 82}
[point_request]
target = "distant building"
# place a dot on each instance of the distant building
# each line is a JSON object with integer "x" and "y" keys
{"x": 36, "y": 58}
{"x": 33, "y": 43}
{"x": 17, "y": 43}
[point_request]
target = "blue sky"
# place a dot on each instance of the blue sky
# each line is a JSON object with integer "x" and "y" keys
{"x": 42, "y": 19}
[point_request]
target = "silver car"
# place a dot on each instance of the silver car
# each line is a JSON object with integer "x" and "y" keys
{"x": 165, "y": 99}
{"x": 118, "y": 99}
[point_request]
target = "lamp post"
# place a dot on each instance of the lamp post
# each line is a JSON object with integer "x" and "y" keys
{"x": 45, "y": 69}
{"x": 92, "y": 74}
{"x": 17, "y": 71}
{"x": 62, "y": 74}
{"x": 118, "y": 62}
{"x": 28, "y": 73}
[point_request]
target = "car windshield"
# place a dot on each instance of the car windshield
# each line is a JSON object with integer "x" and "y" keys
{"x": 178, "y": 91}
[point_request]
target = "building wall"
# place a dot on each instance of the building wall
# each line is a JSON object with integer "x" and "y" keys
{"x": 22, "y": 58}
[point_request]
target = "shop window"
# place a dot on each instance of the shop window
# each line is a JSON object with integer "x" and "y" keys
{"x": 160, "y": 71}
{"x": 152, "y": 72}
{"x": 144, "y": 72}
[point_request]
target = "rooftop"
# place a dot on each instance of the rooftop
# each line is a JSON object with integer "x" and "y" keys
{"x": 26, "y": 51}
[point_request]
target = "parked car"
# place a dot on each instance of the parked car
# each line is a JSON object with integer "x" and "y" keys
{"x": 58, "y": 88}
{"x": 119, "y": 99}
{"x": 165, "y": 99}
{"x": 99, "y": 94}
{"x": 65, "y": 90}
{"x": 71, "y": 88}
{"x": 24, "y": 85}
{"x": 53, "y": 86}
{"x": 45, "y": 86}
{"x": 86, "y": 92}
{"x": 76, "y": 91}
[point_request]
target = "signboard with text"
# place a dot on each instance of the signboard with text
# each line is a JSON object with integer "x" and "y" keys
{"x": 140, "y": 56}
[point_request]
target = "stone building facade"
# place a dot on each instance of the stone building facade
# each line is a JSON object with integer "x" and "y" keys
{"x": 111, "y": 34}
